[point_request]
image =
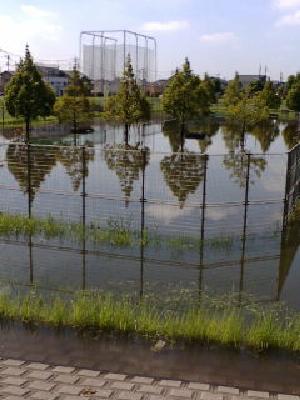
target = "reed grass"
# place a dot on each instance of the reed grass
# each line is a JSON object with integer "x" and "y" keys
{"x": 202, "y": 323}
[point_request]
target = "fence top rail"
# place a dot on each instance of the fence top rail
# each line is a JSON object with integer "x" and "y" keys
{"x": 141, "y": 149}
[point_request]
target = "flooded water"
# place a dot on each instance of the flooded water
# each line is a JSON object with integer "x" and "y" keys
{"x": 212, "y": 215}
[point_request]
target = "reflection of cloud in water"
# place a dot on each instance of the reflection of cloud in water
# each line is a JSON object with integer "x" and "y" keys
{"x": 219, "y": 213}
{"x": 168, "y": 213}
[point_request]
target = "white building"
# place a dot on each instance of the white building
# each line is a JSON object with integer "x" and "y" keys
{"x": 56, "y": 78}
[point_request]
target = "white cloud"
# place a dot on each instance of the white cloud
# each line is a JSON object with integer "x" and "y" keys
{"x": 35, "y": 12}
{"x": 32, "y": 25}
{"x": 289, "y": 20}
{"x": 156, "y": 26}
{"x": 283, "y": 4}
{"x": 218, "y": 37}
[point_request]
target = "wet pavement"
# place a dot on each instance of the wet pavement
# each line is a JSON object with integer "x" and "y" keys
{"x": 272, "y": 372}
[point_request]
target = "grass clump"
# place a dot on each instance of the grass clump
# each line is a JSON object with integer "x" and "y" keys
{"x": 204, "y": 323}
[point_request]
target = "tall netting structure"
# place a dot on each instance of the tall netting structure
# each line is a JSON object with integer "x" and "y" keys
{"x": 103, "y": 56}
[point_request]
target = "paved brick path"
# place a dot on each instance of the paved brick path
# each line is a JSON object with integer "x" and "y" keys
{"x": 24, "y": 380}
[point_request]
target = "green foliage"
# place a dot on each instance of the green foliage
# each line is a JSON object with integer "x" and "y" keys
{"x": 74, "y": 106}
{"x": 256, "y": 86}
{"x": 293, "y": 97}
{"x": 210, "y": 320}
{"x": 26, "y": 94}
{"x": 232, "y": 94}
{"x": 271, "y": 96}
{"x": 129, "y": 106}
{"x": 186, "y": 96}
{"x": 249, "y": 111}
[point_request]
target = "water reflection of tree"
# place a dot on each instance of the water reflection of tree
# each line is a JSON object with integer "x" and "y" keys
{"x": 127, "y": 162}
{"x": 206, "y": 127}
{"x": 183, "y": 173}
{"x": 265, "y": 134}
{"x": 291, "y": 135}
{"x": 236, "y": 161}
{"x": 42, "y": 161}
{"x": 72, "y": 160}
{"x": 289, "y": 246}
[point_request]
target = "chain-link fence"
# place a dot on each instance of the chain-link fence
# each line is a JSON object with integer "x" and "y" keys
{"x": 134, "y": 219}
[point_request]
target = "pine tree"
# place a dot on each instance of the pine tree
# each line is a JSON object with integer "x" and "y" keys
{"x": 27, "y": 95}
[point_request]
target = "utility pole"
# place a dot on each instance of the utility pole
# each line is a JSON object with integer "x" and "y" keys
{"x": 8, "y": 62}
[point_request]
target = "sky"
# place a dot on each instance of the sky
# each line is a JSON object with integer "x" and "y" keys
{"x": 219, "y": 36}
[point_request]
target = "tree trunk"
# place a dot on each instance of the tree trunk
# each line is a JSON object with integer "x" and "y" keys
{"x": 242, "y": 138}
{"x": 126, "y": 134}
{"x": 27, "y": 130}
{"x": 182, "y": 130}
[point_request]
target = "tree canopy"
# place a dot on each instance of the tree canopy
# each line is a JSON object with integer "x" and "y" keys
{"x": 129, "y": 106}
{"x": 186, "y": 96}
{"x": 74, "y": 106}
{"x": 293, "y": 96}
{"x": 27, "y": 94}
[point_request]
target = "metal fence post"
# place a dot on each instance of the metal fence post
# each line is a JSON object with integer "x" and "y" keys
{"x": 202, "y": 232}
{"x": 83, "y": 194}
{"x": 142, "y": 234}
{"x": 29, "y": 178}
{"x": 246, "y": 203}
{"x": 287, "y": 191}
{"x": 28, "y": 147}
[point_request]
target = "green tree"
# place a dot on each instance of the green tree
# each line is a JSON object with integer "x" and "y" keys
{"x": 293, "y": 97}
{"x": 74, "y": 107}
{"x": 248, "y": 111}
{"x": 185, "y": 97}
{"x": 232, "y": 94}
{"x": 271, "y": 96}
{"x": 27, "y": 95}
{"x": 129, "y": 106}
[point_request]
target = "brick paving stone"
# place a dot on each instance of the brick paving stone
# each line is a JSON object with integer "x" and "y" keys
{"x": 13, "y": 398}
{"x": 43, "y": 375}
{"x": 41, "y": 385}
{"x": 74, "y": 398}
{"x": 12, "y": 363}
{"x": 69, "y": 389}
{"x": 14, "y": 390}
{"x": 92, "y": 382}
{"x": 13, "y": 371}
{"x": 169, "y": 382}
{"x": 103, "y": 393}
{"x": 88, "y": 372}
{"x": 256, "y": 393}
{"x": 150, "y": 389}
{"x": 66, "y": 378}
{"x": 142, "y": 379}
{"x": 37, "y": 366}
{"x": 156, "y": 397}
{"x": 122, "y": 385}
{"x": 184, "y": 393}
{"x": 125, "y": 395}
{"x": 211, "y": 396}
{"x": 43, "y": 396}
{"x": 65, "y": 370}
{"x": 12, "y": 380}
{"x": 288, "y": 397}
{"x": 198, "y": 386}
{"x": 228, "y": 390}
{"x": 115, "y": 377}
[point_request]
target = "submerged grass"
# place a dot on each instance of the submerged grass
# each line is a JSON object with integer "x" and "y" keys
{"x": 204, "y": 323}
{"x": 116, "y": 232}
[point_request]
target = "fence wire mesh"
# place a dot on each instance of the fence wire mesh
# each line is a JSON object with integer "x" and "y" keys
{"x": 158, "y": 213}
